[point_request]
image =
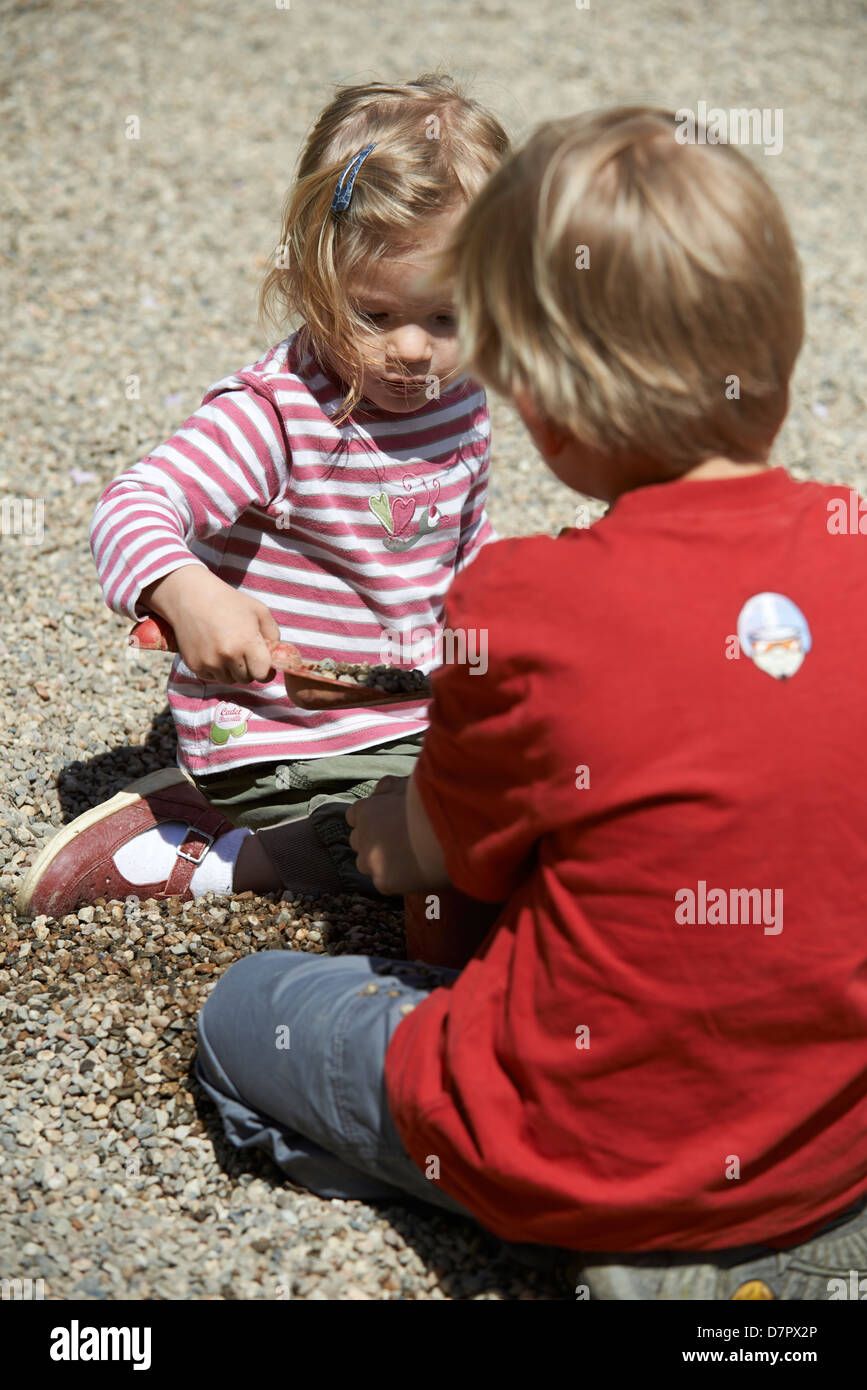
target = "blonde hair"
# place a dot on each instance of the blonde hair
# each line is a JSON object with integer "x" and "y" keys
{"x": 690, "y": 279}
{"x": 434, "y": 149}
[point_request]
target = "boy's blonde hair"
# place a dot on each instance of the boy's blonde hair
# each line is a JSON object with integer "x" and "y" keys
{"x": 434, "y": 149}
{"x": 676, "y": 340}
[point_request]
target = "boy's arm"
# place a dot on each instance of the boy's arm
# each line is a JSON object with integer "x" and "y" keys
{"x": 491, "y": 774}
{"x": 228, "y": 456}
{"x": 490, "y": 781}
{"x": 394, "y": 841}
{"x": 423, "y": 841}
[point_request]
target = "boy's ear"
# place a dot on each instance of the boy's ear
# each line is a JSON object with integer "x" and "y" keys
{"x": 549, "y": 438}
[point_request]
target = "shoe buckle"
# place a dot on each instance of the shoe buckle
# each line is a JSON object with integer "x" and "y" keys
{"x": 185, "y": 854}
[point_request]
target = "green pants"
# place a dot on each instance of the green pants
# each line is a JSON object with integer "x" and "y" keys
{"x": 269, "y": 793}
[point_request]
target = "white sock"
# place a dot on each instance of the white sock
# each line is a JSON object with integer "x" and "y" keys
{"x": 148, "y": 858}
{"x": 215, "y": 873}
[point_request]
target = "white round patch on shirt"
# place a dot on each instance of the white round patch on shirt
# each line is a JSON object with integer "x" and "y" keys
{"x": 773, "y": 632}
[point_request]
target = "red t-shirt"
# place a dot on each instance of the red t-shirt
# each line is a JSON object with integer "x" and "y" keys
{"x": 644, "y": 1054}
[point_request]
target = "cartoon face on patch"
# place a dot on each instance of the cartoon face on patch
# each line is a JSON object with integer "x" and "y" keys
{"x": 774, "y": 633}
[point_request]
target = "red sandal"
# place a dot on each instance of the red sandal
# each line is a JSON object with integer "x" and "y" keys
{"x": 77, "y": 865}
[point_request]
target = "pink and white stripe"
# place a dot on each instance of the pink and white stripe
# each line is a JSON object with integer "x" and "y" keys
{"x": 262, "y": 486}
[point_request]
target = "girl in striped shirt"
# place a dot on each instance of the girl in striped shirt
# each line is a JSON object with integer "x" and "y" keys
{"x": 325, "y": 495}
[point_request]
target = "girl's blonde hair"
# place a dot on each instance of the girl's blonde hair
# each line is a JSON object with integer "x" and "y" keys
{"x": 645, "y": 294}
{"x": 434, "y": 149}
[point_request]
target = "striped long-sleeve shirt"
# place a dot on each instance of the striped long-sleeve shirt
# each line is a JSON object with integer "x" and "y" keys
{"x": 346, "y": 531}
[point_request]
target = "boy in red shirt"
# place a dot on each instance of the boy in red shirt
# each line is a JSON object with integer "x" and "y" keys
{"x": 659, "y": 1048}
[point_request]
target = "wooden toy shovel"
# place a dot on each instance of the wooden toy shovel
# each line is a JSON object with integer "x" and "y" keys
{"x": 306, "y": 688}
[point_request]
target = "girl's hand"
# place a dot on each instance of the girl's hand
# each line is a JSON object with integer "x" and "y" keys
{"x": 380, "y": 839}
{"x": 222, "y": 635}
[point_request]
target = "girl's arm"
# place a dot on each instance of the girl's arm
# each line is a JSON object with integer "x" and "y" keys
{"x": 476, "y": 529}
{"x": 222, "y": 635}
{"x": 228, "y": 456}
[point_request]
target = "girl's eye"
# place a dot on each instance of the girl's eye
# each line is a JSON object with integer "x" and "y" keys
{"x": 447, "y": 319}
{"x": 373, "y": 318}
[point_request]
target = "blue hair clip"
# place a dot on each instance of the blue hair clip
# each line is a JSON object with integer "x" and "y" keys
{"x": 345, "y": 184}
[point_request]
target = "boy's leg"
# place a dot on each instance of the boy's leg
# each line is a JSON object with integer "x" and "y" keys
{"x": 292, "y": 1050}
{"x": 817, "y": 1270}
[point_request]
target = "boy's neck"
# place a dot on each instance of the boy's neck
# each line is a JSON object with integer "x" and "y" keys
{"x": 710, "y": 470}
{"x": 715, "y": 468}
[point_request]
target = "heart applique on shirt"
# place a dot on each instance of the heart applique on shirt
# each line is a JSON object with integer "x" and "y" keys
{"x": 402, "y": 512}
{"x": 395, "y": 513}
{"x": 382, "y": 511}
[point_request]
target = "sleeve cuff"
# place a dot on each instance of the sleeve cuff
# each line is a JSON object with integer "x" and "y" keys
{"x": 131, "y": 604}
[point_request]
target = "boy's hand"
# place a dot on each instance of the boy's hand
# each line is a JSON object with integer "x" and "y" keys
{"x": 380, "y": 838}
{"x": 394, "y": 841}
{"x": 222, "y": 635}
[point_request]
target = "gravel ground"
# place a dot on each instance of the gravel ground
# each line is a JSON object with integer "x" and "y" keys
{"x": 129, "y": 277}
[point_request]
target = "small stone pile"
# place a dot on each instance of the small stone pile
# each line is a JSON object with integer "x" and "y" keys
{"x": 396, "y": 680}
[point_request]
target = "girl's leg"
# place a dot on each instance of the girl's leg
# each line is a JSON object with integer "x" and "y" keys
{"x": 297, "y": 812}
{"x": 292, "y": 1050}
{"x": 254, "y": 869}
{"x": 169, "y": 834}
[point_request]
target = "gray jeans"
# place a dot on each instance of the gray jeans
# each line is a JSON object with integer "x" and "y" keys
{"x": 292, "y": 1050}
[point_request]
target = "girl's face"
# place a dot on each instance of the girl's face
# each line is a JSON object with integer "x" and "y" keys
{"x": 410, "y": 345}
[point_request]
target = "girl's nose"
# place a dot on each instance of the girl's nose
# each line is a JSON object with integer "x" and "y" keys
{"x": 408, "y": 344}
